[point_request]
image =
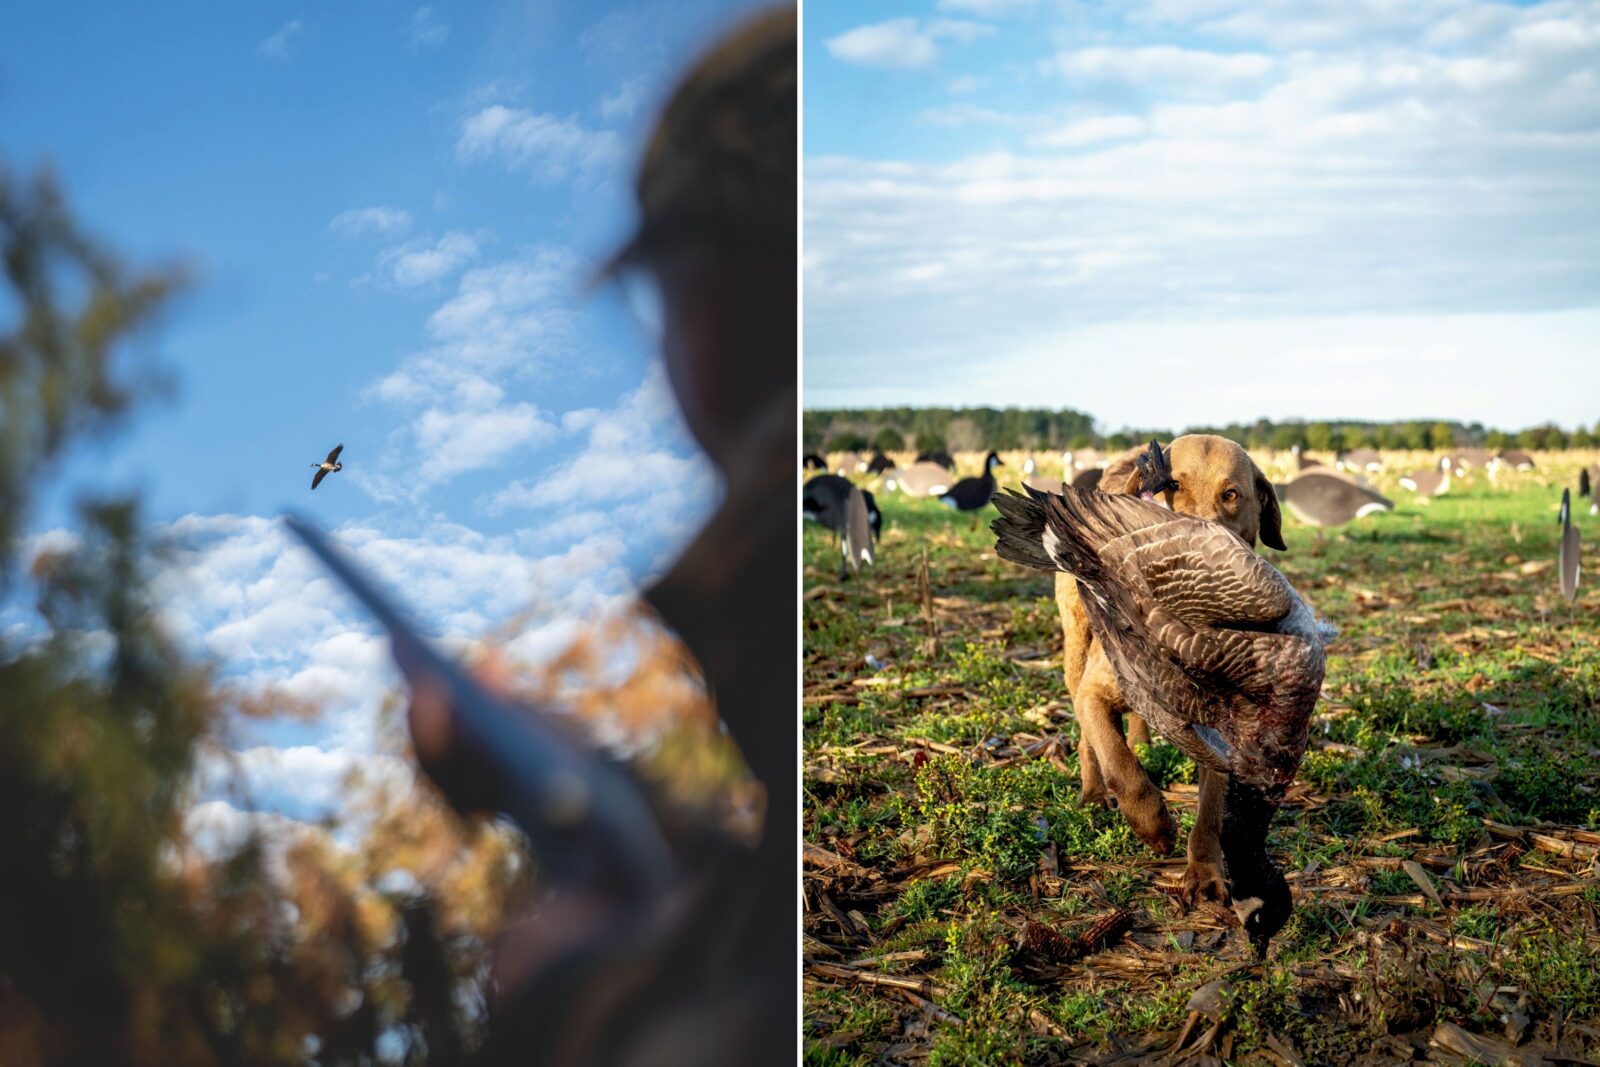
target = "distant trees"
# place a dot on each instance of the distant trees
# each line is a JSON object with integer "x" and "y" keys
{"x": 888, "y": 439}
{"x": 1045, "y": 429}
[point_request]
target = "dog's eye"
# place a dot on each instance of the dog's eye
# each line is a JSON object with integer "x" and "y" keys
{"x": 1230, "y": 495}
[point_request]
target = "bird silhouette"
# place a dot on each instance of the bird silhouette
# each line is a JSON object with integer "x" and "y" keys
{"x": 327, "y": 466}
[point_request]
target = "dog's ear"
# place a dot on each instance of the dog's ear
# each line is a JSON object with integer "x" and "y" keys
{"x": 1271, "y": 516}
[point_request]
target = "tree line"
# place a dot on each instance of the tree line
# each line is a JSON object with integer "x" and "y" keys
{"x": 1049, "y": 429}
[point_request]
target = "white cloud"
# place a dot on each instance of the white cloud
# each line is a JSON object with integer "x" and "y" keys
{"x": 624, "y": 101}
{"x": 418, "y": 263}
{"x": 970, "y": 115}
{"x": 545, "y": 146}
{"x": 426, "y": 30}
{"x": 967, "y": 83}
{"x": 903, "y": 43}
{"x": 988, "y": 9}
{"x": 1186, "y": 68}
{"x": 1092, "y": 130}
{"x": 361, "y": 221}
{"x": 278, "y": 45}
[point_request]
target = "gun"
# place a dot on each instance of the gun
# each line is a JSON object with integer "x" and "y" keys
{"x": 586, "y": 816}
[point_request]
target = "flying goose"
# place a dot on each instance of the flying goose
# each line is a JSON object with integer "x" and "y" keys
{"x": 1569, "y": 548}
{"x": 1429, "y": 483}
{"x": 850, "y": 512}
{"x": 1210, "y": 644}
{"x": 1320, "y": 497}
{"x": 327, "y": 466}
{"x": 939, "y": 456}
{"x": 919, "y": 479}
{"x": 973, "y": 494}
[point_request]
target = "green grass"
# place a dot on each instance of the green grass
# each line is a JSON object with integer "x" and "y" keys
{"x": 1461, "y": 689}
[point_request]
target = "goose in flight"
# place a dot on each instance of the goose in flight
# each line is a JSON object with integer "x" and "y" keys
{"x": 327, "y": 466}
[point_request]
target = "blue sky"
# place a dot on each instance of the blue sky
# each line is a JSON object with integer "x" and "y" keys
{"x": 1179, "y": 212}
{"x": 389, "y": 211}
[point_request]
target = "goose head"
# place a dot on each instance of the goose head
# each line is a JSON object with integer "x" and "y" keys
{"x": 992, "y": 462}
{"x": 1262, "y": 901}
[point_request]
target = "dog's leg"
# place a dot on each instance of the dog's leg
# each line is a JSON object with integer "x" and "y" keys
{"x": 1203, "y": 878}
{"x": 1138, "y": 732}
{"x": 1094, "y": 785}
{"x": 1129, "y": 787}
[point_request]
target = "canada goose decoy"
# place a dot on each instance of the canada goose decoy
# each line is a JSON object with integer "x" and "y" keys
{"x": 974, "y": 494}
{"x": 1324, "y": 498}
{"x": 849, "y": 463}
{"x": 919, "y": 479}
{"x": 1429, "y": 483}
{"x": 1303, "y": 461}
{"x": 1088, "y": 479}
{"x": 879, "y": 463}
{"x": 1569, "y": 549}
{"x": 327, "y": 466}
{"x": 1583, "y": 482}
{"x": 813, "y": 462}
{"x": 1359, "y": 459}
{"x": 850, "y": 512}
{"x": 939, "y": 456}
{"x": 1210, "y": 644}
{"x": 1516, "y": 459}
{"x": 1042, "y": 482}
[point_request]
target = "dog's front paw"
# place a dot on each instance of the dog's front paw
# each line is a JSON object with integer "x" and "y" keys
{"x": 1203, "y": 880}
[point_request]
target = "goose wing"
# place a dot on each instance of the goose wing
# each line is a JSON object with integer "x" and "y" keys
{"x": 316, "y": 479}
{"x": 333, "y": 457}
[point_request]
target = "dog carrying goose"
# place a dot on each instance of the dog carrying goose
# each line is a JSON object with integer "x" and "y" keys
{"x": 1210, "y": 643}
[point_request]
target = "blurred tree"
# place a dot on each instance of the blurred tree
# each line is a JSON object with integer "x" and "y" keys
{"x": 1441, "y": 436}
{"x": 963, "y": 435}
{"x": 848, "y": 441}
{"x": 1319, "y": 437}
{"x": 889, "y": 439}
{"x": 123, "y": 938}
{"x": 1495, "y": 440}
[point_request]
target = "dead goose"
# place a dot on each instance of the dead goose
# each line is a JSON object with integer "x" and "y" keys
{"x": 327, "y": 466}
{"x": 1320, "y": 497}
{"x": 974, "y": 494}
{"x": 1429, "y": 483}
{"x": 1210, "y": 644}
{"x": 919, "y": 479}
{"x": 850, "y": 512}
{"x": 1569, "y": 549}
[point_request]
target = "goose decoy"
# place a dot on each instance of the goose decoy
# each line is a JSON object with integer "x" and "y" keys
{"x": 939, "y": 456}
{"x": 1359, "y": 459}
{"x": 327, "y": 466}
{"x": 1516, "y": 459}
{"x": 1583, "y": 482}
{"x": 849, "y": 463}
{"x": 879, "y": 463}
{"x": 813, "y": 462}
{"x": 1569, "y": 549}
{"x": 974, "y": 494}
{"x": 1324, "y": 498}
{"x": 850, "y": 512}
{"x": 1210, "y": 643}
{"x": 1429, "y": 483}
{"x": 1042, "y": 482}
{"x": 919, "y": 479}
{"x": 1088, "y": 479}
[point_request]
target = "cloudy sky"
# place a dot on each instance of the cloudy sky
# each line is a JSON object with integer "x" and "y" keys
{"x": 1173, "y": 212}
{"x": 390, "y": 211}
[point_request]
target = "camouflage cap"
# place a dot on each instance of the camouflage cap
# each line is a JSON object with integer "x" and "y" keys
{"x": 721, "y": 164}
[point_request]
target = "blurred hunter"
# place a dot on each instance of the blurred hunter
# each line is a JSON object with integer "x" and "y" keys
{"x": 706, "y": 973}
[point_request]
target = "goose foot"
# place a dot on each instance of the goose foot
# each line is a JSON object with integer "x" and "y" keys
{"x": 1203, "y": 880}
